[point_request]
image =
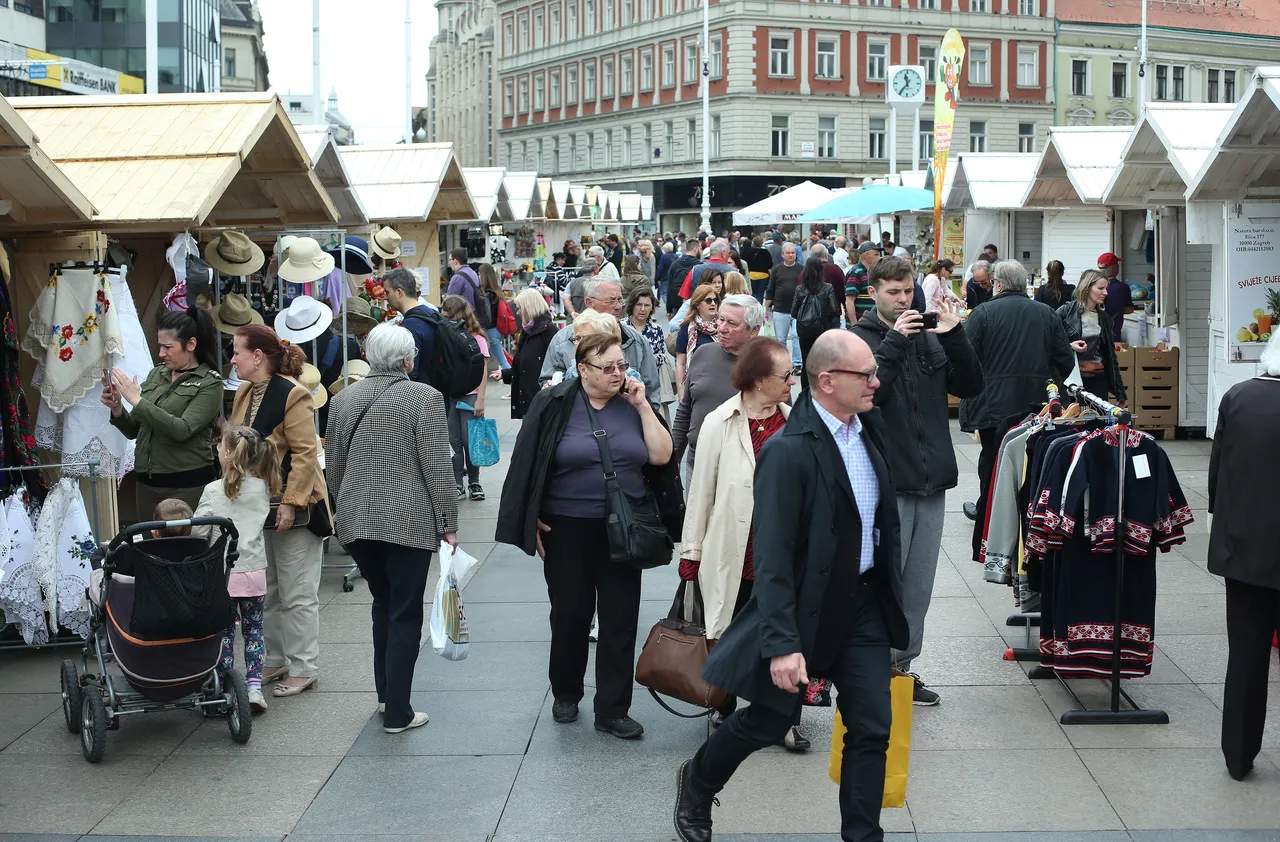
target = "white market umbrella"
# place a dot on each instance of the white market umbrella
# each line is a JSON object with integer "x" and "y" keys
{"x": 787, "y": 206}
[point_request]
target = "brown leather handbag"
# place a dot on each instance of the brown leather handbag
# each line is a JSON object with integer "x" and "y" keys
{"x": 673, "y": 657}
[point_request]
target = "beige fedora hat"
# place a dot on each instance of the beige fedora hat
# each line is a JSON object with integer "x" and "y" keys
{"x": 234, "y": 312}
{"x": 360, "y": 318}
{"x": 232, "y": 253}
{"x": 353, "y": 372}
{"x": 310, "y": 380}
{"x": 306, "y": 263}
{"x": 386, "y": 243}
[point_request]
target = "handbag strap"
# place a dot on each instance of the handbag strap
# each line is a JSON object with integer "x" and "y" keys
{"x": 365, "y": 411}
{"x": 606, "y": 457}
{"x": 674, "y": 712}
{"x": 696, "y": 615}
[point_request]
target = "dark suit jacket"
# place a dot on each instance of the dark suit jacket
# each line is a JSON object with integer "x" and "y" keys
{"x": 806, "y": 516}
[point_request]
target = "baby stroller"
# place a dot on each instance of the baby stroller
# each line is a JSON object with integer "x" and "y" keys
{"x": 160, "y": 617}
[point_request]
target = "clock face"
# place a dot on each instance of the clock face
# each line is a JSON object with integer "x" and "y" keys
{"x": 907, "y": 83}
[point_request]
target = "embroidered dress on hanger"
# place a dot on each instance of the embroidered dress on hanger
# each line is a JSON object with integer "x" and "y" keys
{"x": 64, "y": 543}
{"x": 20, "y": 598}
{"x": 74, "y": 328}
{"x": 83, "y": 431}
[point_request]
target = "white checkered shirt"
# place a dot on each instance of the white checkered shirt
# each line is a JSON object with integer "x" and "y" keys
{"x": 862, "y": 476}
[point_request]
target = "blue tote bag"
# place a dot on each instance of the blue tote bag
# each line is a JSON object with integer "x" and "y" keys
{"x": 482, "y": 442}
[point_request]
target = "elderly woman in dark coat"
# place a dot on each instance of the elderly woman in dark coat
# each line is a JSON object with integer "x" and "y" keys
{"x": 536, "y": 332}
{"x": 392, "y": 518}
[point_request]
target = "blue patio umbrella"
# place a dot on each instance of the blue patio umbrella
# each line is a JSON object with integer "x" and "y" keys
{"x": 871, "y": 200}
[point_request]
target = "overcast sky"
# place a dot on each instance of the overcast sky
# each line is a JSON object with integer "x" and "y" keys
{"x": 361, "y": 54}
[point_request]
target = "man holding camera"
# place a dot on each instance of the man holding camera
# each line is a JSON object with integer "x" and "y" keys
{"x": 922, "y": 357}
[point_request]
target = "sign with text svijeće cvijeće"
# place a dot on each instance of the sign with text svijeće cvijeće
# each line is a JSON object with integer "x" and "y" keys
{"x": 1253, "y": 278}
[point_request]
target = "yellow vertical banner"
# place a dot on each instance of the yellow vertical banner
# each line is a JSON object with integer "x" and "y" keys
{"x": 946, "y": 96}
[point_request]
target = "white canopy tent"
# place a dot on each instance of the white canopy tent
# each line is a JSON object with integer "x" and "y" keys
{"x": 787, "y": 206}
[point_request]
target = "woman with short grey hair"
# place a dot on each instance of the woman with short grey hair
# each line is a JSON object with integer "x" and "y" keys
{"x": 392, "y": 518}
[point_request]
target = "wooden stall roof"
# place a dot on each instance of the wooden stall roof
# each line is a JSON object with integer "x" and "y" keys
{"x": 1165, "y": 151}
{"x": 1076, "y": 166}
{"x": 33, "y": 191}
{"x": 488, "y": 192}
{"x": 1244, "y": 162}
{"x": 565, "y": 201}
{"x": 415, "y": 182}
{"x": 328, "y": 165}
{"x": 522, "y": 196}
{"x": 162, "y": 162}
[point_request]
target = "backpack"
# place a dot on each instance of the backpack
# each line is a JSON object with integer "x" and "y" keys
{"x": 809, "y": 312}
{"x": 483, "y": 314}
{"x": 506, "y": 323}
{"x": 458, "y": 366}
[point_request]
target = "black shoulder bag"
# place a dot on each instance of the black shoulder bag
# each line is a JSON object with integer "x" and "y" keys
{"x": 637, "y": 537}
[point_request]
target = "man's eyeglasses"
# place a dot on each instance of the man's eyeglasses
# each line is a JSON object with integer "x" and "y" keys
{"x": 867, "y": 375}
{"x": 611, "y": 368}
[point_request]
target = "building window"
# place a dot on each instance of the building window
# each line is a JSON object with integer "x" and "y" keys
{"x": 538, "y": 40}
{"x": 877, "y": 59}
{"x": 229, "y": 63}
{"x": 691, "y": 138}
{"x": 608, "y": 145}
{"x": 573, "y": 152}
{"x": 522, "y": 32}
{"x": 669, "y": 139}
{"x": 608, "y": 15}
{"x": 628, "y": 11}
{"x": 717, "y": 57}
{"x": 980, "y": 66}
{"x": 1171, "y": 82}
{"x": 555, "y": 89}
{"x": 508, "y": 99}
{"x": 626, "y": 147}
{"x": 507, "y": 149}
{"x": 648, "y": 144}
{"x": 927, "y": 57}
{"x": 668, "y": 8}
{"x": 1119, "y": 79}
{"x": 875, "y": 138}
{"x": 1179, "y": 83}
{"x": 931, "y": 5}
{"x": 571, "y": 25}
{"x": 926, "y": 141}
{"x": 588, "y": 83}
{"x": 690, "y": 61}
{"x": 1228, "y": 86}
{"x": 555, "y": 23}
{"x": 669, "y": 66}
{"x": 877, "y": 2}
{"x": 1026, "y": 137}
{"x": 571, "y": 86}
{"x": 524, "y": 96}
{"x": 589, "y": 28}
{"x": 1028, "y": 7}
{"x": 606, "y": 80}
{"x": 537, "y": 93}
{"x": 977, "y": 136}
{"x": 1162, "y": 81}
{"x": 828, "y": 58}
{"x": 508, "y": 46}
{"x": 780, "y": 55}
{"x": 646, "y": 72}
{"x": 781, "y": 136}
{"x": 1079, "y": 77}
{"x": 1028, "y": 67}
{"x": 826, "y": 137}
{"x": 1222, "y": 85}
{"x": 591, "y": 149}
{"x": 715, "y": 136}
{"x": 626, "y": 75}
{"x": 978, "y": 5}
{"x": 647, "y": 10}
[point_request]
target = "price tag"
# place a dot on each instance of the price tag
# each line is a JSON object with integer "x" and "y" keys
{"x": 1141, "y": 470}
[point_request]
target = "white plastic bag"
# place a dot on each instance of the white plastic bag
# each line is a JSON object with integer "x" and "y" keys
{"x": 450, "y": 636}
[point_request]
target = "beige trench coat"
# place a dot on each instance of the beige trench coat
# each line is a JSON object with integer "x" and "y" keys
{"x": 717, "y": 518}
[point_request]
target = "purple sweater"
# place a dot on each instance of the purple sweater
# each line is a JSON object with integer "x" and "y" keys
{"x": 461, "y": 284}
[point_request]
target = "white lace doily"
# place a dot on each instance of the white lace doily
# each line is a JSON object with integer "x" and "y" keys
{"x": 19, "y": 589}
{"x": 61, "y": 560}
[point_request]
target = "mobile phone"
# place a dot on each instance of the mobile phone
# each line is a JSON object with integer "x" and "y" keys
{"x": 929, "y": 321}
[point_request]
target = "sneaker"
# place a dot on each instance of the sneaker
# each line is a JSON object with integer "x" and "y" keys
{"x": 922, "y": 695}
{"x": 564, "y": 711}
{"x": 795, "y": 741}
{"x": 624, "y": 728}
{"x": 594, "y": 634}
{"x": 477, "y": 493}
{"x": 257, "y": 702}
{"x": 460, "y": 494}
{"x": 419, "y": 719}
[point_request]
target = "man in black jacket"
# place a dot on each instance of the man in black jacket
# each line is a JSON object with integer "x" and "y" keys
{"x": 827, "y": 599}
{"x": 1021, "y": 345}
{"x": 918, "y": 368}
{"x": 678, "y": 269}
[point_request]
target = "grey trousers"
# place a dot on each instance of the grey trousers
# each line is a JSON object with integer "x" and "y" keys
{"x": 921, "y": 519}
{"x": 291, "y": 625}
{"x": 458, "y": 418}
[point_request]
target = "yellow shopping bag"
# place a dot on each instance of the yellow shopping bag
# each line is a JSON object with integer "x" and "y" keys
{"x": 899, "y": 756}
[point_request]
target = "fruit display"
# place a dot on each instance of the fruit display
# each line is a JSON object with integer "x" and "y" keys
{"x": 1264, "y": 320}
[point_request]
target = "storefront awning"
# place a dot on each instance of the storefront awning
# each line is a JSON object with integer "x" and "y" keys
{"x": 522, "y": 196}
{"x": 162, "y": 162}
{"x": 33, "y": 190}
{"x": 1076, "y": 165}
{"x": 413, "y": 182}
{"x": 485, "y": 184}
{"x": 1165, "y": 151}
{"x": 991, "y": 180}
{"x": 1244, "y": 163}
{"x": 328, "y": 165}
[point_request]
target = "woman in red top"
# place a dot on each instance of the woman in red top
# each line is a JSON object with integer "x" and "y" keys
{"x": 716, "y": 550}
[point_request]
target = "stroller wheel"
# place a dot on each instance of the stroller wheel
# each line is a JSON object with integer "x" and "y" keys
{"x": 71, "y": 696}
{"x": 239, "y": 715}
{"x": 93, "y": 726}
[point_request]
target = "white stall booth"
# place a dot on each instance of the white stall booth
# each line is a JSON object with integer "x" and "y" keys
{"x": 1233, "y": 203}
{"x": 988, "y": 190}
{"x": 1161, "y": 158}
{"x": 1073, "y": 171}
{"x": 485, "y": 184}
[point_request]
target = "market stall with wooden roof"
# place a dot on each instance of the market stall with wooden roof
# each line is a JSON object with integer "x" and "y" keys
{"x": 333, "y": 175}
{"x": 33, "y": 190}
{"x": 412, "y": 188}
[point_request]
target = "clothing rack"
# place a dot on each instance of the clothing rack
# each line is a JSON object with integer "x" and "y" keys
{"x": 92, "y": 465}
{"x": 1114, "y": 715}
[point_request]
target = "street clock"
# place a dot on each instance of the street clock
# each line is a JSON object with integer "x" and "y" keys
{"x": 906, "y": 85}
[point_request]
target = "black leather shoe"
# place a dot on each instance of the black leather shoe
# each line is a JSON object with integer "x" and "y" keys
{"x": 971, "y": 511}
{"x": 564, "y": 711}
{"x": 624, "y": 728}
{"x": 693, "y": 809}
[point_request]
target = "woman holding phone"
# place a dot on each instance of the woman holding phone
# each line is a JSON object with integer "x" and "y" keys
{"x": 171, "y": 414}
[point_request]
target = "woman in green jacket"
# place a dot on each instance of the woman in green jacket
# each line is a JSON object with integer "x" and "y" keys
{"x": 173, "y": 412}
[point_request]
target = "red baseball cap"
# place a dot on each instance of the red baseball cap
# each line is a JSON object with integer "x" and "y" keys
{"x": 1108, "y": 259}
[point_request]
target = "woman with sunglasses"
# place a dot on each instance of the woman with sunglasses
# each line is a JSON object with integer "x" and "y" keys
{"x": 553, "y": 503}
{"x": 716, "y": 548}
{"x": 698, "y": 329}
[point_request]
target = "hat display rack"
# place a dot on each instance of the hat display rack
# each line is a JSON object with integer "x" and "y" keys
{"x": 328, "y": 238}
